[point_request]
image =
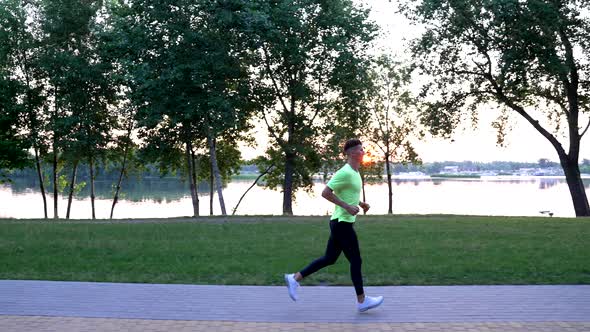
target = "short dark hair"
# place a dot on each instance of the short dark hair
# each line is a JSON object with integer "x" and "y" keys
{"x": 351, "y": 143}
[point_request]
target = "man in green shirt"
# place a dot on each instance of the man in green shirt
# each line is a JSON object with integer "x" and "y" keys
{"x": 343, "y": 190}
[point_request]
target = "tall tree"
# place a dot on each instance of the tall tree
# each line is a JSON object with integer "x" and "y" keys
{"x": 189, "y": 76}
{"x": 83, "y": 91}
{"x": 227, "y": 101}
{"x": 21, "y": 49}
{"x": 123, "y": 151}
{"x": 307, "y": 51}
{"x": 12, "y": 145}
{"x": 530, "y": 57}
{"x": 13, "y": 154}
{"x": 393, "y": 112}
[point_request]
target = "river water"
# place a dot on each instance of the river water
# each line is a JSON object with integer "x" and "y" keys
{"x": 162, "y": 198}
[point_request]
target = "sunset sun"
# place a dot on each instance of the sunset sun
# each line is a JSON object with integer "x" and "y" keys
{"x": 368, "y": 158}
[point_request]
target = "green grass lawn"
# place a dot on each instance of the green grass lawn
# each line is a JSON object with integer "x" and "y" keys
{"x": 396, "y": 250}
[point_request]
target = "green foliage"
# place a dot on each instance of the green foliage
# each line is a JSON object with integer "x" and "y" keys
{"x": 78, "y": 187}
{"x": 311, "y": 58}
{"x": 515, "y": 53}
{"x": 393, "y": 110}
{"x": 187, "y": 73}
{"x": 13, "y": 154}
{"x": 21, "y": 52}
{"x": 13, "y": 144}
{"x": 82, "y": 81}
{"x": 124, "y": 149}
{"x": 62, "y": 183}
{"x": 372, "y": 172}
{"x": 529, "y": 57}
{"x": 228, "y": 157}
{"x": 305, "y": 166}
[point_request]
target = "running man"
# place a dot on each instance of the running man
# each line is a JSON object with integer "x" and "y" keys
{"x": 344, "y": 191}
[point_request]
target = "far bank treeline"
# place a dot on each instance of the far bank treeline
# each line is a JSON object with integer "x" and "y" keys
{"x": 247, "y": 170}
{"x": 120, "y": 85}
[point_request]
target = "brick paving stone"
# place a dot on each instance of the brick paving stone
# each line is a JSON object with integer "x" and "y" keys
{"x": 60, "y": 324}
{"x": 81, "y": 306}
{"x": 445, "y": 304}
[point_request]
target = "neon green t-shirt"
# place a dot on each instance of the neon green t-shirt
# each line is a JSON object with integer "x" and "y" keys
{"x": 346, "y": 185}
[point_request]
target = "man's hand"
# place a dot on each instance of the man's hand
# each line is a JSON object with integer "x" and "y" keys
{"x": 353, "y": 210}
{"x": 364, "y": 206}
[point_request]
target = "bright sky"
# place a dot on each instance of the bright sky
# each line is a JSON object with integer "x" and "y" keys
{"x": 523, "y": 143}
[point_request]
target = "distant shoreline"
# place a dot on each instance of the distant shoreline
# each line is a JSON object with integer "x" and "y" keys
{"x": 412, "y": 176}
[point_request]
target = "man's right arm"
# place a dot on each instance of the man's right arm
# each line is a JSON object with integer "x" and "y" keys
{"x": 328, "y": 194}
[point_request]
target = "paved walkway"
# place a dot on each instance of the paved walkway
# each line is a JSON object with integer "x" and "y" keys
{"x": 79, "y": 306}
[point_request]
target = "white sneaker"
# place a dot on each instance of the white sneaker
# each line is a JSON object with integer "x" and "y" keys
{"x": 292, "y": 285}
{"x": 370, "y": 303}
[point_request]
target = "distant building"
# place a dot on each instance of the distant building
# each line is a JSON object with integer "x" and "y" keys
{"x": 450, "y": 169}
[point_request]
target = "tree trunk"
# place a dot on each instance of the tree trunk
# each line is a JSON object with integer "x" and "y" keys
{"x": 195, "y": 177}
{"x": 91, "y": 160}
{"x": 576, "y": 186}
{"x": 216, "y": 173}
{"x": 288, "y": 184}
{"x": 388, "y": 168}
{"x": 33, "y": 123}
{"x": 120, "y": 180}
{"x": 191, "y": 178}
{"x": 55, "y": 193}
{"x": 211, "y": 191}
{"x": 41, "y": 181}
{"x": 72, "y": 186}
{"x": 569, "y": 161}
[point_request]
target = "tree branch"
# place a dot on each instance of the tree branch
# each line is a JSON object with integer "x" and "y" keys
{"x": 274, "y": 82}
{"x": 278, "y": 92}
{"x": 547, "y": 95}
{"x": 272, "y": 132}
{"x": 499, "y": 93}
{"x": 520, "y": 110}
{"x": 378, "y": 121}
{"x": 569, "y": 59}
{"x": 318, "y": 108}
{"x": 585, "y": 130}
{"x": 468, "y": 72}
{"x": 253, "y": 184}
{"x": 572, "y": 93}
{"x": 380, "y": 147}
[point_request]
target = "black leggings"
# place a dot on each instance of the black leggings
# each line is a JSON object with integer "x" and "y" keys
{"x": 342, "y": 239}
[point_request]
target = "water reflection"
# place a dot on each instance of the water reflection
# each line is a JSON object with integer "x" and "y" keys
{"x": 171, "y": 189}
{"x": 437, "y": 182}
{"x": 134, "y": 190}
{"x": 158, "y": 197}
{"x": 511, "y": 180}
{"x": 415, "y": 182}
{"x": 545, "y": 183}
